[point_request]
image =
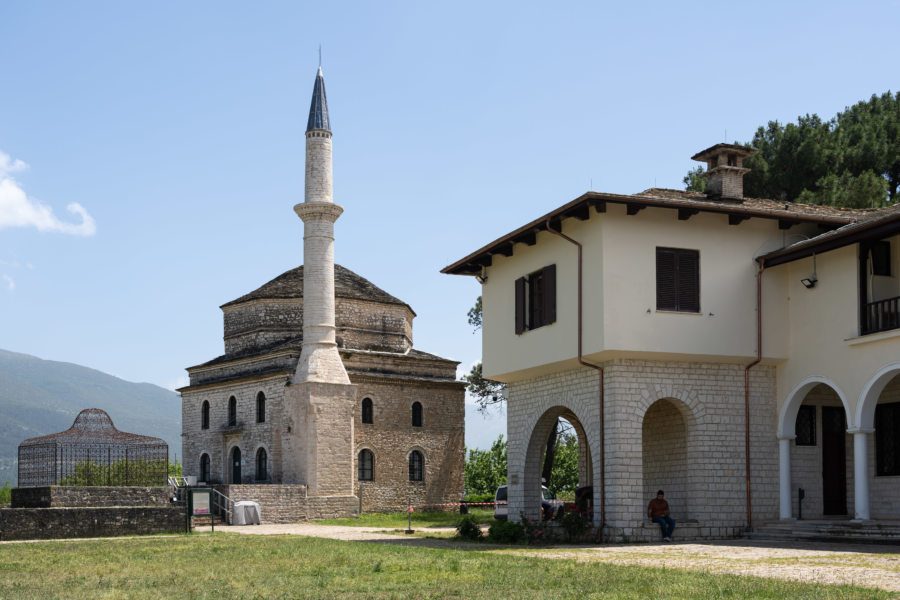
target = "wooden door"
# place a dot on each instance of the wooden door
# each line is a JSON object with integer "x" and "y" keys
{"x": 834, "y": 461}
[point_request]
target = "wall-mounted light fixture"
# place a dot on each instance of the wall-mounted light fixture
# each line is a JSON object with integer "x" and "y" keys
{"x": 810, "y": 282}
{"x": 482, "y": 277}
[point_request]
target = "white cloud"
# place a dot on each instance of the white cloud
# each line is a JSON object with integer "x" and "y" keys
{"x": 9, "y": 282}
{"x": 8, "y": 165}
{"x": 18, "y": 210}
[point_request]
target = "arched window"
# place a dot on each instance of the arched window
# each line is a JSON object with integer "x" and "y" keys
{"x": 416, "y": 466}
{"x": 260, "y": 408}
{"x": 367, "y": 416}
{"x": 262, "y": 471}
{"x": 417, "y": 414}
{"x": 232, "y": 412}
{"x": 204, "y": 416}
{"x": 366, "y": 465}
{"x": 204, "y": 467}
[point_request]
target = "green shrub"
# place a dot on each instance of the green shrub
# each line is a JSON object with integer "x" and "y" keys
{"x": 479, "y": 498}
{"x": 574, "y": 523}
{"x": 5, "y": 494}
{"x": 536, "y": 532}
{"x": 468, "y": 528}
{"x": 506, "y": 532}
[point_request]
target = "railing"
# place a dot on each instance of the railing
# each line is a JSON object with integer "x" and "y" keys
{"x": 223, "y": 505}
{"x": 882, "y": 315}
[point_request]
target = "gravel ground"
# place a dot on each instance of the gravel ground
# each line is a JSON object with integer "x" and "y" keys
{"x": 871, "y": 566}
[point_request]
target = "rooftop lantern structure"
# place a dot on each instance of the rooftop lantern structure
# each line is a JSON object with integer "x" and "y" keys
{"x": 93, "y": 452}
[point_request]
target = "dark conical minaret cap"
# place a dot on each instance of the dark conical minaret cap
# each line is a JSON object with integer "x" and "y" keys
{"x": 318, "y": 108}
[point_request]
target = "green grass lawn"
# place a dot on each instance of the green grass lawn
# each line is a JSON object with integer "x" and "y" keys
{"x": 420, "y": 520}
{"x": 231, "y": 566}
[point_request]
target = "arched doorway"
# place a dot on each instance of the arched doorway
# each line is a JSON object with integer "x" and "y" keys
{"x": 876, "y": 446}
{"x": 815, "y": 451}
{"x": 665, "y": 455}
{"x": 536, "y": 454}
{"x": 236, "y": 465}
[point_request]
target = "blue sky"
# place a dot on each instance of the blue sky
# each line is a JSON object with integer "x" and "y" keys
{"x": 151, "y": 153}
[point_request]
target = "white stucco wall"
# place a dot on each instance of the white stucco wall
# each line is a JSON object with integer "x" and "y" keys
{"x": 620, "y": 288}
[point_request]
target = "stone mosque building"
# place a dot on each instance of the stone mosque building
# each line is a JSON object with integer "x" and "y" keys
{"x": 320, "y": 406}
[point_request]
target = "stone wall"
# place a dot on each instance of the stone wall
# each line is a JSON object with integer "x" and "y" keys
{"x": 219, "y": 440}
{"x": 54, "y": 523}
{"x": 391, "y": 438}
{"x": 290, "y": 503}
{"x": 710, "y": 399}
{"x": 93, "y": 496}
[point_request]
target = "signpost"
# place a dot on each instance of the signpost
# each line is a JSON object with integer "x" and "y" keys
{"x": 199, "y": 504}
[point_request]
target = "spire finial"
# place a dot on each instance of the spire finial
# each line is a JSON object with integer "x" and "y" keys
{"x": 320, "y": 57}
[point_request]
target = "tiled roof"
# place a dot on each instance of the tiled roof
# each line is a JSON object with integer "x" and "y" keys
{"x": 347, "y": 284}
{"x": 686, "y": 203}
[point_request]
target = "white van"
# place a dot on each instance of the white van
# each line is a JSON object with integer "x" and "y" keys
{"x": 501, "y": 510}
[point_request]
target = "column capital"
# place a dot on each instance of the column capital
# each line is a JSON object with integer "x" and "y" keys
{"x": 860, "y": 430}
{"x": 318, "y": 210}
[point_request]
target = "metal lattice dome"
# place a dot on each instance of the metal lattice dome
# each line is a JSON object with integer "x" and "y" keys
{"x": 93, "y": 452}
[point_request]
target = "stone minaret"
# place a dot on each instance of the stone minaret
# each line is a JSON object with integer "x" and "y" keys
{"x": 320, "y": 400}
{"x": 319, "y": 360}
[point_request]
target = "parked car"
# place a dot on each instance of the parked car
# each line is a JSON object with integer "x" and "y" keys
{"x": 548, "y": 503}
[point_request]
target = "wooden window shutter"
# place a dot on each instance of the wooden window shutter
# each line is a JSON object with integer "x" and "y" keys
{"x": 549, "y": 276}
{"x": 520, "y": 305}
{"x": 688, "y": 281}
{"x": 666, "y": 296}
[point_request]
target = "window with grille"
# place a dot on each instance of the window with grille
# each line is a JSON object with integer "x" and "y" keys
{"x": 366, "y": 462}
{"x": 677, "y": 280}
{"x": 416, "y": 466}
{"x": 204, "y": 415}
{"x": 887, "y": 439}
{"x": 536, "y": 299}
{"x": 262, "y": 465}
{"x": 417, "y": 414}
{"x": 805, "y": 428}
{"x": 232, "y": 411}
{"x": 367, "y": 411}
{"x": 260, "y": 408}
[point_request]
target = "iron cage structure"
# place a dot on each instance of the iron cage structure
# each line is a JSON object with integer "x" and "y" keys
{"x": 93, "y": 452}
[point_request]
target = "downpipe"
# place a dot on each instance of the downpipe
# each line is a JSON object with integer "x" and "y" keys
{"x": 747, "y": 391}
{"x": 599, "y": 370}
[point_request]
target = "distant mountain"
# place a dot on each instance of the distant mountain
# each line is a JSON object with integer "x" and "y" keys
{"x": 38, "y": 397}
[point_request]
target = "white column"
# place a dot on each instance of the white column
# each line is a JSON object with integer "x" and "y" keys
{"x": 861, "y": 473}
{"x": 785, "y": 510}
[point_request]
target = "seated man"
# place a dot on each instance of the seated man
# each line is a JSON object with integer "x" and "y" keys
{"x": 658, "y": 512}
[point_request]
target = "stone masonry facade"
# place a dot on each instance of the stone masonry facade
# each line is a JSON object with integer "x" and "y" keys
{"x": 678, "y": 426}
{"x": 262, "y": 334}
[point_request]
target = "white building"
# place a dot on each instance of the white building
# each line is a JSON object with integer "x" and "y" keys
{"x": 728, "y": 350}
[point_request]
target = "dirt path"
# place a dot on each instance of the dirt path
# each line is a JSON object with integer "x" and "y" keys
{"x": 863, "y": 565}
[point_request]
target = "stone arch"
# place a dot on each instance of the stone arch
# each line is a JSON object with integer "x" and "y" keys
{"x": 787, "y": 416}
{"x": 865, "y": 408}
{"x": 534, "y": 453}
{"x": 669, "y": 459}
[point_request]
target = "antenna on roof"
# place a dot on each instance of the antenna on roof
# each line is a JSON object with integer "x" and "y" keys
{"x": 320, "y": 56}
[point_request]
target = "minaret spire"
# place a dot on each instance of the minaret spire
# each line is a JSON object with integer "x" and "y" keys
{"x": 319, "y": 359}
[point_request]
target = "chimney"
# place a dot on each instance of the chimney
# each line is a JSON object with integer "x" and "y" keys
{"x": 725, "y": 171}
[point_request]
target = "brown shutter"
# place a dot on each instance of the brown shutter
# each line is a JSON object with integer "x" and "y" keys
{"x": 666, "y": 297}
{"x": 688, "y": 281}
{"x": 520, "y": 305}
{"x": 549, "y": 277}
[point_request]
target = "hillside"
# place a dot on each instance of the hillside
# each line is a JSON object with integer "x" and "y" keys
{"x": 38, "y": 397}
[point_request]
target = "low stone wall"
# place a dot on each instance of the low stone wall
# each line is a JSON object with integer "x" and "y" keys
{"x": 60, "y": 496}
{"x": 54, "y": 523}
{"x": 283, "y": 503}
